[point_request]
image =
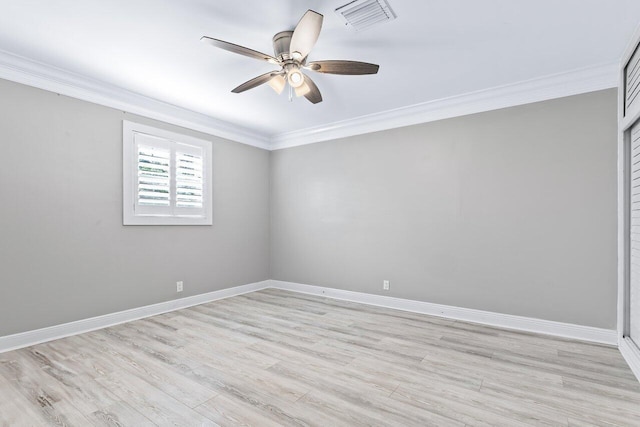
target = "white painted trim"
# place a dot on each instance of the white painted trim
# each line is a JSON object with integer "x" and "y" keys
{"x": 631, "y": 354}
{"x": 535, "y": 90}
{"x": 625, "y": 122}
{"x": 623, "y": 225}
{"x": 26, "y": 71}
{"x": 519, "y": 323}
{"x": 25, "y": 339}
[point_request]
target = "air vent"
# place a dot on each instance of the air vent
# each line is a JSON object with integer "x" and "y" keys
{"x": 363, "y": 14}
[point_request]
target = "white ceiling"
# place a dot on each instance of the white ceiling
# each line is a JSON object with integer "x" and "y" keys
{"x": 433, "y": 50}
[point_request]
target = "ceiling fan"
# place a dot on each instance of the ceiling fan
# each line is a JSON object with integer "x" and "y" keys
{"x": 291, "y": 49}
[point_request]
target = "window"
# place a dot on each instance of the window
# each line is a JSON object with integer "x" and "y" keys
{"x": 166, "y": 176}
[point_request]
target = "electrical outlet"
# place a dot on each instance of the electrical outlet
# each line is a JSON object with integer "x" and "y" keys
{"x": 179, "y": 286}
{"x": 385, "y": 285}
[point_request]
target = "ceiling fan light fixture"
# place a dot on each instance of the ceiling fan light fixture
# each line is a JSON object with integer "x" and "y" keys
{"x": 295, "y": 77}
{"x": 277, "y": 83}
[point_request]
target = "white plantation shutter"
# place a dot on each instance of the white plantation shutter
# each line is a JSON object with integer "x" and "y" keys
{"x": 166, "y": 177}
{"x": 153, "y": 170}
{"x": 154, "y": 181}
{"x": 189, "y": 178}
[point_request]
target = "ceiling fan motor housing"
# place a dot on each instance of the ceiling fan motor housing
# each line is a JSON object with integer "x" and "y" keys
{"x": 281, "y": 43}
{"x": 291, "y": 66}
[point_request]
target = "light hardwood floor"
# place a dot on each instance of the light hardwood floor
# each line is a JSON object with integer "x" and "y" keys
{"x": 274, "y": 358}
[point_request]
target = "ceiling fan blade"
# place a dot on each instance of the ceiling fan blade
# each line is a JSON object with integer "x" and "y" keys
{"x": 257, "y": 81}
{"x": 302, "y": 90}
{"x": 241, "y": 50}
{"x": 352, "y": 68}
{"x": 313, "y": 95}
{"x": 305, "y": 35}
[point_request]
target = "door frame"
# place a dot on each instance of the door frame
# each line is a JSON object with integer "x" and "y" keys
{"x": 626, "y": 119}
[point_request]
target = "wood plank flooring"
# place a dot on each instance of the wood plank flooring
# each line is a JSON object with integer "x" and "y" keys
{"x": 277, "y": 358}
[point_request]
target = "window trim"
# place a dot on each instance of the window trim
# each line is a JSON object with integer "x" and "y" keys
{"x": 129, "y": 177}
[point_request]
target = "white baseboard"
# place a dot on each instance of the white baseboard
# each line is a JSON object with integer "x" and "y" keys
{"x": 519, "y": 323}
{"x": 566, "y": 330}
{"x": 26, "y": 339}
{"x": 631, "y": 354}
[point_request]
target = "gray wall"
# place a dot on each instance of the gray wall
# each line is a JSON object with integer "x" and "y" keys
{"x": 64, "y": 253}
{"x": 511, "y": 211}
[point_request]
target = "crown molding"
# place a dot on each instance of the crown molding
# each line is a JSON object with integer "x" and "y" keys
{"x": 33, "y": 73}
{"x": 535, "y": 90}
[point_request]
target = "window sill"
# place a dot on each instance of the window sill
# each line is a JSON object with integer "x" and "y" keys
{"x": 166, "y": 220}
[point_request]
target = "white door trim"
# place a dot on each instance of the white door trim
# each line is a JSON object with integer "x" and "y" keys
{"x": 625, "y": 122}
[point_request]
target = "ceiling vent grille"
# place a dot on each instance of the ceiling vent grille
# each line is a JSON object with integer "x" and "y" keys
{"x": 363, "y": 14}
